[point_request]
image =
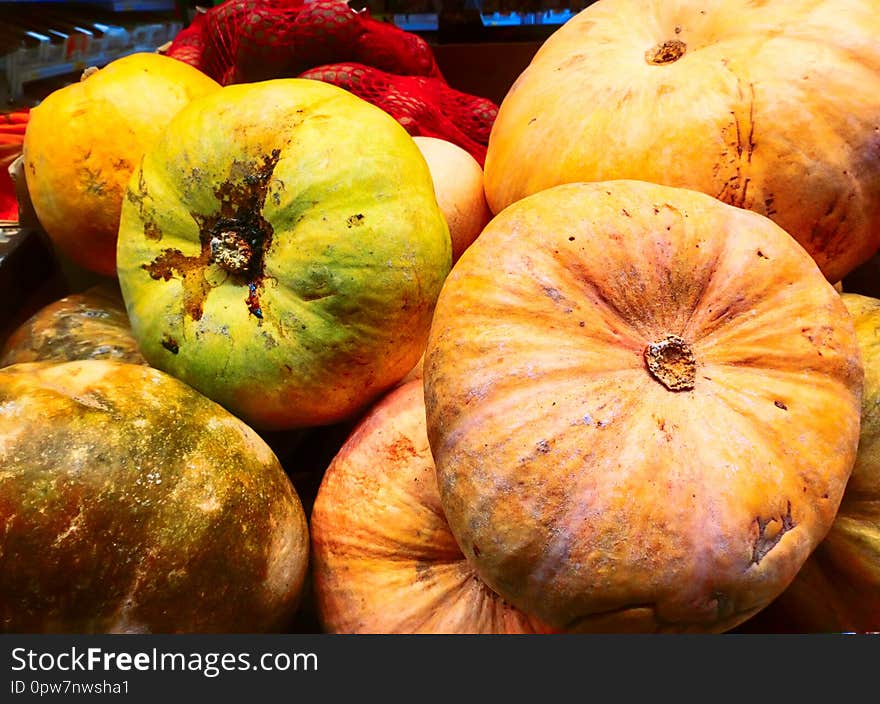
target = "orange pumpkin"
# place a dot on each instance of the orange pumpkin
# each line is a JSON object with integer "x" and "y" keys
{"x": 644, "y": 407}
{"x": 383, "y": 558}
{"x": 770, "y": 106}
{"x": 838, "y": 589}
{"x": 84, "y": 140}
{"x": 458, "y": 185}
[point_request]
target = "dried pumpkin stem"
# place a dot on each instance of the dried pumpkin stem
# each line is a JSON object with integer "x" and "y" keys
{"x": 666, "y": 52}
{"x": 231, "y": 251}
{"x": 671, "y": 361}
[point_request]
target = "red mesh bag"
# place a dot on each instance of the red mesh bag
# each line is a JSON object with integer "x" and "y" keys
{"x": 242, "y": 41}
{"x": 424, "y": 105}
{"x": 12, "y": 129}
{"x": 251, "y": 40}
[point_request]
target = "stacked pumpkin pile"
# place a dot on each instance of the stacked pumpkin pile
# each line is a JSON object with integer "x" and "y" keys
{"x": 631, "y": 401}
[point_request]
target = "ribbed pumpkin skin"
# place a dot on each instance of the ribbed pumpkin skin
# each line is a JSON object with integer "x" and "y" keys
{"x": 91, "y": 324}
{"x": 838, "y": 588}
{"x": 772, "y": 107}
{"x": 584, "y": 490}
{"x": 384, "y": 559}
{"x": 133, "y": 504}
{"x": 84, "y": 140}
{"x": 348, "y": 251}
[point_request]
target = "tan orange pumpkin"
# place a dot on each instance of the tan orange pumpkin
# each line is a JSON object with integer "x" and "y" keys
{"x": 84, "y": 140}
{"x": 838, "y": 589}
{"x": 458, "y": 184}
{"x": 770, "y": 106}
{"x": 644, "y": 407}
{"x": 383, "y": 557}
{"x": 90, "y": 324}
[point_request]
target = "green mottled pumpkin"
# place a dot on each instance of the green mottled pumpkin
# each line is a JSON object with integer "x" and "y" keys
{"x": 281, "y": 250}
{"x": 132, "y": 504}
{"x": 91, "y": 324}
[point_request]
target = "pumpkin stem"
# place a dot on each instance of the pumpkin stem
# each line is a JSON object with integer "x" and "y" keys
{"x": 666, "y": 52}
{"x": 671, "y": 362}
{"x": 231, "y": 251}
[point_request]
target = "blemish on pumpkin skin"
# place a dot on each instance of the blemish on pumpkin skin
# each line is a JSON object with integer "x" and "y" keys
{"x": 780, "y": 405}
{"x": 424, "y": 572}
{"x": 769, "y": 534}
{"x": 170, "y": 344}
{"x": 553, "y": 293}
{"x": 92, "y": 181}
{"x": 355, "y": 220}
{"x": 241, "y": 199}
{"x": 172, "y": 263}
{"x": 151, "y": 228}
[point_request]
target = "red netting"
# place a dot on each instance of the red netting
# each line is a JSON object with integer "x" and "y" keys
{"x": 12, "y": 129}
{"x": 242, "y": 41}
{"x": 422, "y": 104}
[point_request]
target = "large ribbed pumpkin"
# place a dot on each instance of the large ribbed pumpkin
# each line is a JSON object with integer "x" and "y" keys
{"x": 132, "y": 504}
{"x": 281, "y": 250}
{"x": 84, "y": 141}
{"x": 770, "y": 106}
{"x": 838, "y": 589}
{"x": 384, "y": 559}
{"x": 644, "y": 407}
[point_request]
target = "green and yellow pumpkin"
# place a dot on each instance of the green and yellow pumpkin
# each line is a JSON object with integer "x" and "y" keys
{"x": 281, "y": 249}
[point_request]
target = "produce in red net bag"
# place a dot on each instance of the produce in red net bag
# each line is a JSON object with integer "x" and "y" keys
{"x": 423, "y": 105}
{"x": 243, "y": 41}
{"x": 12, "y": 128}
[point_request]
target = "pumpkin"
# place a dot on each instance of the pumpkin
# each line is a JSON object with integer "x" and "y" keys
{"x": 770, "y": 106}
{"x": 91, "y": 324}
{"x": 281, "y": 250}
{"x": 838, "y": 589}
{"x": 132, "y": 503}
{"x": 84, "y": 140}
{"x": 458, "y": 184}
{"x": 643, "y": 404}
{"x": 384, "y": 559}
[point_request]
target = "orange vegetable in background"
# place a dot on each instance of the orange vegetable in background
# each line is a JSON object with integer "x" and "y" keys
{"x": 458, "y": 184}
{"x": 84, "y": 140}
